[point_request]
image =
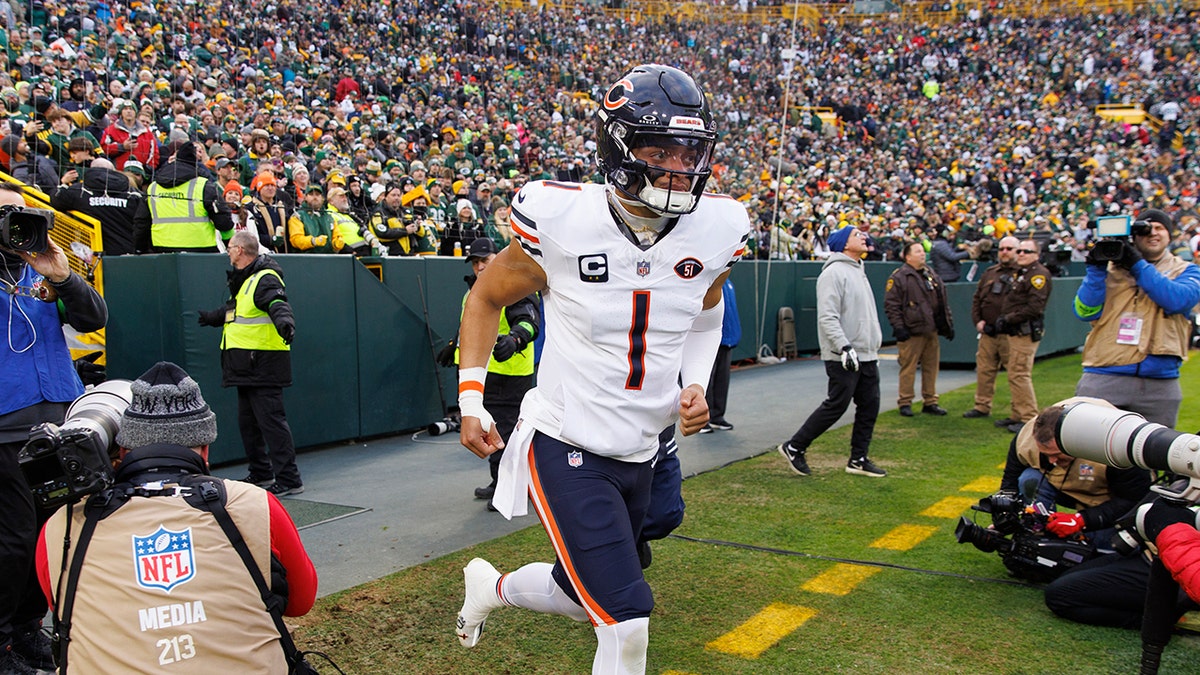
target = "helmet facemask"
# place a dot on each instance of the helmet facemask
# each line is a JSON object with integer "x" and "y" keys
{"x": 647, "y": 157}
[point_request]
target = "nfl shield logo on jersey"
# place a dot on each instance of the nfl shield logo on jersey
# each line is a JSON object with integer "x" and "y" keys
{"x": 575, "y": 458}
{"x": 643, "y": 268}
{"x": 164, "y": 559}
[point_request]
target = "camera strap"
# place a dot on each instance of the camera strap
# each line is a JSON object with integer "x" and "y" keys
{"x": 93, "y": 514}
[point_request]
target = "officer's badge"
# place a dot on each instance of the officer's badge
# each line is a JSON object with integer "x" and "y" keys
{"x": 575, "y": 458}
{"x": 1038, "y": 281}
{"x": 891, "y": 282}
{"x": 164, "y": 559}
{"x": 643, "y": 268}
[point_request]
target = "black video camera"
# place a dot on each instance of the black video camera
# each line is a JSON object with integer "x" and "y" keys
{"x": 1019, "y": 535}
{"x": 63, "y": 464}
{"x": 25, "y": 229}
{"x": 1113, "y": 232}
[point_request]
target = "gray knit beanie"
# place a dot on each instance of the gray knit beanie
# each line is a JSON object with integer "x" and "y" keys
{"x": 167, "y": 407}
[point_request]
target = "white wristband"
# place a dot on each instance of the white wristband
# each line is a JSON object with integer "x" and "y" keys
{"x": 470, "y": 396}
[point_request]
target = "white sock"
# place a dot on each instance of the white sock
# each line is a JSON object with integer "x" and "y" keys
{"x": 533, "y": 587}
{"x": 622, "y": 648}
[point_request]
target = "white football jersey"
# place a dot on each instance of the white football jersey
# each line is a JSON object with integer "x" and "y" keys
{"x": 617, "y": 316}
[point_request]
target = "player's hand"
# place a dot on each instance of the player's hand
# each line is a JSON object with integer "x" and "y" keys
{"x": 693, "y": 410}
{"x": 474, "y": 438}
{"x": 51, "y": 263}
{"x": 1064, "y": 524}
{"x": 849, "y": 359}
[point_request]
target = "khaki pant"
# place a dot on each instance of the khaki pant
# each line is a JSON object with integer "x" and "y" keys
{"x": 923, "y": 349}
{"x": 990, "y": 357}
{"x": 1021, "y": 351}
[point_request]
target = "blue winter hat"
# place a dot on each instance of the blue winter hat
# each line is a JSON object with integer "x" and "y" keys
{"x": 837, "y": 240}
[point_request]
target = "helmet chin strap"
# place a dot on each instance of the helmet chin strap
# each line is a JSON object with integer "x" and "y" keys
{"x": 645, "y": 229}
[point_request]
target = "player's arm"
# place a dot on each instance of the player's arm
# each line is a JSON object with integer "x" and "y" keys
{"x": 699, "y": 352}
{"x": 511, "y": 276}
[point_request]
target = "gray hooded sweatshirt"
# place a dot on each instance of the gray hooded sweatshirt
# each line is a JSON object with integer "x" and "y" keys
{"x": 846, "y": 310}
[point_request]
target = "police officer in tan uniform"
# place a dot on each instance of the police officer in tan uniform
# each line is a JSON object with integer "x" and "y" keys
{"x": 992, "y": 353}
{"x": 915, "y": 305}
{"x": 1021, "y": 319}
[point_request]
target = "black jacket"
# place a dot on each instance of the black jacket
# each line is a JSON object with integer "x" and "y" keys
{"x": 256, "y": 367}
{"x": 108, "y": 196}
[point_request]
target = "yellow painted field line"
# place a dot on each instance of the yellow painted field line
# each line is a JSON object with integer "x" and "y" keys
{"x": 762, "y": 630}
{"x": 839, "y": 579}
{"x": 988, "y": 484}
{"x": 676, "y": 672}
{"x": 904, "y": 537}
{"x": 950, "y": 507}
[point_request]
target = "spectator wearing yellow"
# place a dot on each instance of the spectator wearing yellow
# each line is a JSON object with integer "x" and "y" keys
{"x": 311, "y": 228}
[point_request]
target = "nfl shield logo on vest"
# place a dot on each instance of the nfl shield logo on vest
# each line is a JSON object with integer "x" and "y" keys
{"x": 164, "y": 559}
{"x": 575, "y": 458}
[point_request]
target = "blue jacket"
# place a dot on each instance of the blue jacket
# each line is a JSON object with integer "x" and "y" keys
{"x": 731, "y": 324}
{"x": 35, "y": 364}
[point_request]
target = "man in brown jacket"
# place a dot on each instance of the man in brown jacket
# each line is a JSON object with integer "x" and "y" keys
{"x": 992, "y": 353}
{"x": 915, "y": 304}
{"x": 1021, "y": 319}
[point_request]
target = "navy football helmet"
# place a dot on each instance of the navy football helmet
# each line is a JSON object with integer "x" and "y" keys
{"x": 662, "y": 109}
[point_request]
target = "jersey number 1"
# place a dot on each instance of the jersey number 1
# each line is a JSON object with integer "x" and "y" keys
{"x": 637, "y": 340}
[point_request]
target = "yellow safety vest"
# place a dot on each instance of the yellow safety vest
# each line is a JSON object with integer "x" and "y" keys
{"x": 518, "y": 364}
{"x": 250, "y": 327}
{"x": 179, "y": 218}
{"x": 346, "y": 225}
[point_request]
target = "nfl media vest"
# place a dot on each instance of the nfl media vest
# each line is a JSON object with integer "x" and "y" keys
{"x": 1085, "y": 482}
{"x": 162, "y": 589}
{"x": 250, "y": 327}
{"x": 179, "y": 217}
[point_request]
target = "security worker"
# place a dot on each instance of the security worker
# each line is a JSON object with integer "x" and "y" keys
{"x": 915, "y": 305}
{"x": 311, "y": 228}
{"x": 256, "y": 358}
{"x": 1141, "y": 307}
{"x": 184, "y": 211}
{"x": 353, "y": 241}
{"x": 510, "y": 368}
{"x": 1022, "y": 320}
{"x": 992, "y": 352}
{"x": 184, "y": 596}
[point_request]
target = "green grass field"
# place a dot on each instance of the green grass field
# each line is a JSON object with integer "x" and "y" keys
{"x": 730, "y": 590}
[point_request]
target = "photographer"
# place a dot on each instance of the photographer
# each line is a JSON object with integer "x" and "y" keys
{"x": 1036, "y": 467}
{"x": 39, "y": 381}
{"x": 1141, "y": 307}
{"x": 187, "y": 593}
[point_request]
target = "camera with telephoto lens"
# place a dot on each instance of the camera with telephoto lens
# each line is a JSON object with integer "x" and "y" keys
{"x": 1018, "y": 534}
{"x": 1112, "y": 233}
{"x": 25, "y": 229}
{"x": 449, "y": 423}
{"x": 63, "y": 464}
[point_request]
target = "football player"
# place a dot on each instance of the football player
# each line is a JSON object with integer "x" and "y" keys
{"x": 631, "y": 272}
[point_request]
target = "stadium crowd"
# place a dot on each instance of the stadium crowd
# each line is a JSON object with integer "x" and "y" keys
{"x": 986, "y": 126}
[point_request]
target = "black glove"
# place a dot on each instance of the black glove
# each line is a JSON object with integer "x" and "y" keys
{"x": 1129, "y": 256}
{"x": 445, "y": 357}
{"x": 949, "y": 334}
{"x": 989, "y": 329}
{"x": 1091, "y": 259}
{"x": 1162, "y": 515}
{"x": 901, "y": 334}
{"x": 287, "y": 330}
{"x": 507, "y": 345}
{"x": 214, "y": 318}
{"x": 1001, "y": 326}
{"x": 88, "y": 370}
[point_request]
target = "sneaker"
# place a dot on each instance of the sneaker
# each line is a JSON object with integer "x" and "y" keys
{"x": 975, "y": 413}
{"x": 795, "y": 458}
{"x": 906, "y": 411}
{"x": 480, "y": 579}
{"x": 485, "y": 492}
{"x": 933, "y": 409}
{"x": 706, "y": 429}
{"x": 12, "y": 664}
{"x": 281, "y": 490}
{"x": 721, "y": 425}
{"x": 864, "y": 467}
{"x": 33, "y": 646}
{"x": 260, "y": 481}
{"x": 1006, "y": 422}
{"x": 644, "y": 555}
